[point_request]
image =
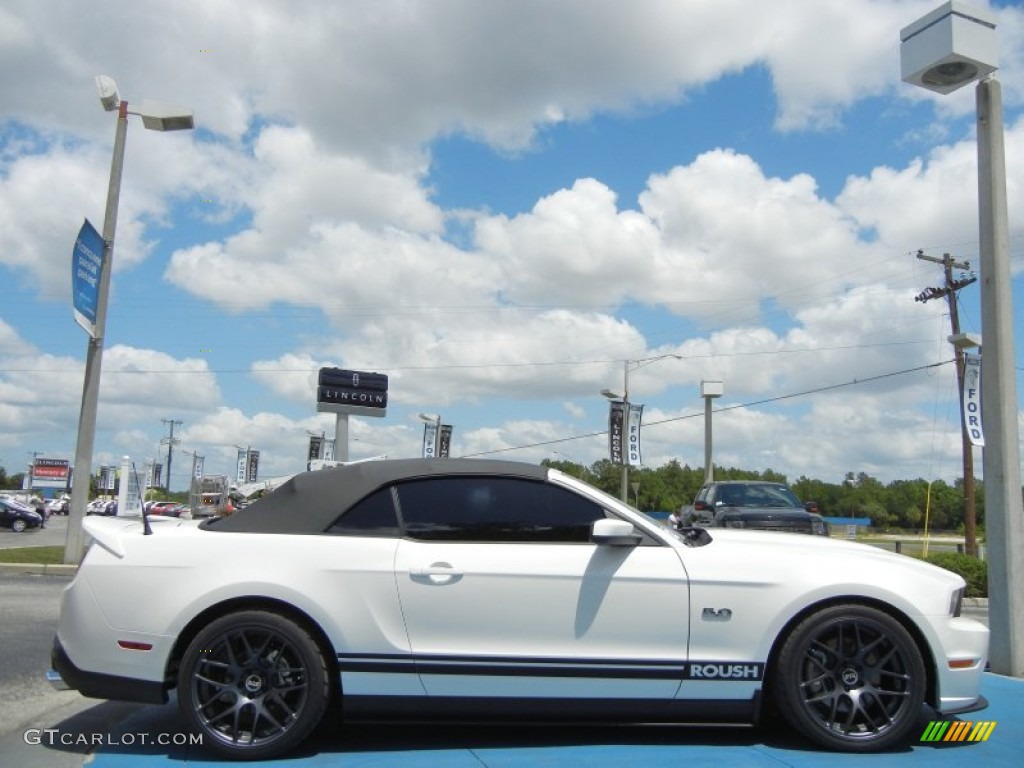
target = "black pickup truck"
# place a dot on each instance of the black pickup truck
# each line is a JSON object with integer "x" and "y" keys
{"x": 754, "y": 504}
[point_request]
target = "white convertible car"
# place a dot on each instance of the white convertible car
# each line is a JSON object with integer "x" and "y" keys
{"x": 475, "y": 589}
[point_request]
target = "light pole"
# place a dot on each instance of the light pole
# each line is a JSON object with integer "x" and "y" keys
{"x": 624, "y": 398}
{"x": 709, "y": 390}
{"x": 155, "y": 117}
{"x": 945, "y": 50}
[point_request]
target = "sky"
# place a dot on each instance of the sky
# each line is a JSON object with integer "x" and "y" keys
{"x": 505, "y": 207}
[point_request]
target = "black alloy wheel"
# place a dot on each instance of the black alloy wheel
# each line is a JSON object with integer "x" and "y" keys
{"x": 254, "y": 684}
{"x": 850, "y": 678}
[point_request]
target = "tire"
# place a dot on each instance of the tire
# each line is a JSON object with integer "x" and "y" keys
{"x": 850, "y": 678}
{"x": 18, "y": 525}
{"x": 254, "y": 684}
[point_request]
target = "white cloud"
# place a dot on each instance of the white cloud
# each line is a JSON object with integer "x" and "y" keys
{"x": 309, "y": 175}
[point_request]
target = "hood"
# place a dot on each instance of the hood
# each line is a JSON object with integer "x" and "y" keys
{"x": 828, "y": 554}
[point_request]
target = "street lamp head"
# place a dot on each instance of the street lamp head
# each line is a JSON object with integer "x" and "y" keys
{"x": 157, "y": 116}
{"x": 107, "y": 89}
{"x": 950, "y": 47}
{"x": 712, "y": 388}
{"x": 429, "y": 418}
{"x": 611, "y": 394}
{"x": 965, "y": 340}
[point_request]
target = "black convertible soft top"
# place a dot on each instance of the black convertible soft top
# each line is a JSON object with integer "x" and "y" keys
{"x": 312, "y": 501}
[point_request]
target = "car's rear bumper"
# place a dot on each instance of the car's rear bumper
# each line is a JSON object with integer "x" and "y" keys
{"x": 65, "y": 675}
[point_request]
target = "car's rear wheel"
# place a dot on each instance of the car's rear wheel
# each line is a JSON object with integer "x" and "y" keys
{"x": 850, "y": 678}
{"x": 18, "y": 525}
{"x": 254, "y": 684}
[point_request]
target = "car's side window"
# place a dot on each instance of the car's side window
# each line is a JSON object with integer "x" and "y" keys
{"x": 373, "y": 516}
{"x": 476, "y": 508}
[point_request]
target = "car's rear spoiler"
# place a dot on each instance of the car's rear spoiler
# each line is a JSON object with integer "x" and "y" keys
{"x": 109, "y": 532}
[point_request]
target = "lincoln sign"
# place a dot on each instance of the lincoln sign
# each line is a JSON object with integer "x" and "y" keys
{"x": 357, "y": 392}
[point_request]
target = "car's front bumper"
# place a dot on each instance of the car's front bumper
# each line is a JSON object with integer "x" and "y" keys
{"x": 959, "y": 686}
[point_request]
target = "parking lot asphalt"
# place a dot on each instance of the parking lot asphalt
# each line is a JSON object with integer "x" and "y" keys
{"x": 119, "y": 736}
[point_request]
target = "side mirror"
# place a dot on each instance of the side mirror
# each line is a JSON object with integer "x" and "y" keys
{"x": 615, "y": 533}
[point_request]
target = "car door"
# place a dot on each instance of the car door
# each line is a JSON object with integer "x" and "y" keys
{"x": 504, "y": 595}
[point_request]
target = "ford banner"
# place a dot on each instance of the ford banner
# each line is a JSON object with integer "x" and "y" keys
{"x": 633, "y": 418}
{"x": 972, "y": 400}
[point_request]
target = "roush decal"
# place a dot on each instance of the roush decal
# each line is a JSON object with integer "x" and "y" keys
{"x": 719, "y": 670}
{"x": 513, "y": 666}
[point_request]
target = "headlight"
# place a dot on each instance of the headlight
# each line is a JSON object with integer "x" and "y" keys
{"x": 956, "y": 602}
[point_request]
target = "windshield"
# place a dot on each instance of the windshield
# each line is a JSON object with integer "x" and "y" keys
{"x": 757, "y": 496}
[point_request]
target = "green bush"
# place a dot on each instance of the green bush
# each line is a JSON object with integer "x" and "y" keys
{"x": 974, "y": 571}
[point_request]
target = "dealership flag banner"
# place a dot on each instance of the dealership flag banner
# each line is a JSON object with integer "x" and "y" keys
{"x": 633, "y": 434}
{"x": 254, "y": 466}
{"x": 446, "y": 441}
{"x": 316, "y": 445}
{"x": 197, "y": 466}
{"x": 108, "y": 478}
{"x": 86, "y": 273}
{"x": 429, "y": 440}
{"x": 129, "y": 496}
{"x": 972, "y": 399}
{"x": 243, "y": 456}
{"x": 616, "y": 419}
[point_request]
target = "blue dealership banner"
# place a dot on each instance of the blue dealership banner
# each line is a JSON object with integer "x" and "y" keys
{"x": 87, "y": 261}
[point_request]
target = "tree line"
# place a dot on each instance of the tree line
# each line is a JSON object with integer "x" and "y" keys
{"x": 900, "y": 504}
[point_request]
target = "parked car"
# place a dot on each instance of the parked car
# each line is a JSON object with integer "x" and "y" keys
{"x": 756, "y": 504}
{"x": 167, "y": 508}
{"x": 17, "y": 516}
{"x": 58, "y": 505}
{"x": 489, "y": 589}
{"x": 162, "y": 507}
{"x": 107, "y": 507}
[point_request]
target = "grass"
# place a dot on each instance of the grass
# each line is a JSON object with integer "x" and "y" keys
{"x": 42, "y": 555}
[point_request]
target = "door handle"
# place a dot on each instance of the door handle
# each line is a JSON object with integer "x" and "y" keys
{"x": 438, "y": 573}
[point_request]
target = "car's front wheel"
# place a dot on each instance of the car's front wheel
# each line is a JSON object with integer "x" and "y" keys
{"x": 254, "y": 684}
{"x": 850, "y": 678}
{"x": 18, "y": 525}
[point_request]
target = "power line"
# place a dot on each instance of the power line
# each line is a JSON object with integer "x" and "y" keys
{"x": 738, "y": 406}
{"x": 470, "y": 366}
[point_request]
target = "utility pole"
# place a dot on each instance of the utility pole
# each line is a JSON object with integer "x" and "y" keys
{"x": 171, "y": 441}
{"x": 949, "y": 292}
